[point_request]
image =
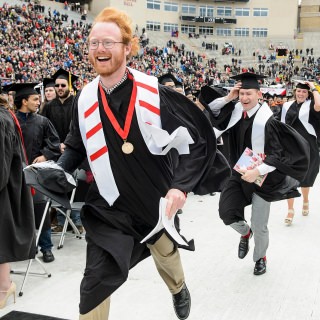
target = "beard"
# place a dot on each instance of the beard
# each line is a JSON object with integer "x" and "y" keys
{"x": 111, "y": 67}
{"x": 64, "y": 94}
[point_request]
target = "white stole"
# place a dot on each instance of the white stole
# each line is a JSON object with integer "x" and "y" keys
{"x": 303, "y": 115}
{"x": 147, "y": 107}
{"x": 258, "y": 127}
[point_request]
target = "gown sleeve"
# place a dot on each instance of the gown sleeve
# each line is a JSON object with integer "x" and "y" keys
{"x": 75, "y": 152}
{"x": 51, "y": 148}
{"x": 6, "y": 145}
{"x": 204, "y": 170}
{"x": 286, "y": 150}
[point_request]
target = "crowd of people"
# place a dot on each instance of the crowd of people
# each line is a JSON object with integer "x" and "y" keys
{"x": 148, "y": 125}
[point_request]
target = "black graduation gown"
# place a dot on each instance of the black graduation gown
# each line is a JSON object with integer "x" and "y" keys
{"x": 142, "y": 178}
{"x": 60, "y": 115}
{"x": 285, "y": 149}
{"x": 40, "y": 138}
{"x": 292, "y": 119}
{"x": 17, "y": 231}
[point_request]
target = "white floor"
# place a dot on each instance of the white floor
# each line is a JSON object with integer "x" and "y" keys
{"x": 222, "y": 286}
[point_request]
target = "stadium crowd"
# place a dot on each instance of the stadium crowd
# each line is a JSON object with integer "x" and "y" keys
{"x": 35, "y": 44}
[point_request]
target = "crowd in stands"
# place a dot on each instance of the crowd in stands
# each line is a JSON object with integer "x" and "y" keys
{"x": 34, "y": 45}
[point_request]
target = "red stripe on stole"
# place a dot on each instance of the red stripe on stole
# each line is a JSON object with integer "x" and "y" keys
{"x": 94, "y": 130}
{"x": 99, "y": 153}
{"x": 149, "y": 106}
{"x": 145, "y": 86}
{"x": 91, "y": 110}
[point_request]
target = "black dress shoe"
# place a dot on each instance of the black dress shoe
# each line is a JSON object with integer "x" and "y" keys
{"x": 260, "y": 267}
{"x": 179, "y": 211}
{"x": 47, "y": 256}
{"x": 182, "y": 303}
{"x": 244, "y": 246}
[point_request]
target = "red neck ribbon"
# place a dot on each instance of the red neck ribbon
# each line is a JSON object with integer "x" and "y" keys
{"x": 123, "y": 133}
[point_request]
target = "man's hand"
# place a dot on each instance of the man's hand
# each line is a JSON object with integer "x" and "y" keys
{"x": 250, "y": 175}
{"x": 62, "y": 147}
{"x": 39, "y": 159}
{"x": 176, "y": 200}
{"x": 234, "y": 92}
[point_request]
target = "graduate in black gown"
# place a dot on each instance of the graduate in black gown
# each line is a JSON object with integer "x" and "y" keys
{"x": 285, "y": 154}
{"x": 42, "y": 143}
{"x": 59, "y": 112}
{"x": 303, "y": 114}
{"x": 127, "y": 125}
{"x": 17, "y": 231}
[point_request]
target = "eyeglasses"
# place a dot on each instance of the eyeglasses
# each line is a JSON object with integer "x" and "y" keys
{"x": 60, "y": 85}
{"x": 107, "y": 44}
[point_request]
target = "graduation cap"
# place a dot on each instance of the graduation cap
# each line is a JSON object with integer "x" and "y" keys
{"x": 6, "y": 88}
{"x": 302, "y": 85}
{"x": 66, "y": 75}
{"x": 48, "y": 82}
{"x": 268, "y": 95}
{"x": 208, "y": 94}
{"x": 249, "y": 80}
{"x": 23, "y": 90}
{"x": 51, "y": 182}
{"x": 169, "y": 77}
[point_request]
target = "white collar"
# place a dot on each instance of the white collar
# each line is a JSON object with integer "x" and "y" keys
{"x": 253, "y": 110}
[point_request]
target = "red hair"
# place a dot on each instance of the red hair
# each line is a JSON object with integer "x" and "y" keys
{"x": 124, "y": 22}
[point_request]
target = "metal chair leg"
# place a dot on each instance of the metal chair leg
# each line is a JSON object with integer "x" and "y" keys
{"x": 27, "y": 272}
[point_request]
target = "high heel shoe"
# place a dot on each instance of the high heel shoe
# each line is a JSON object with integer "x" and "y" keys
{"x": 288, "y": 220}
{"x": 305, "y": 208}
{"x": 11, "y": 291}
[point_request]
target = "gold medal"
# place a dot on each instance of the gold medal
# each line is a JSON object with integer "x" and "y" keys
{"x": 127, "y": 147}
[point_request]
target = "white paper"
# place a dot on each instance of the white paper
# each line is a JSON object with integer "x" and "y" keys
{"x": 168, "y": 224}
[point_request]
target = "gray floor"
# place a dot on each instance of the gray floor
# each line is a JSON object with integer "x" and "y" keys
{"x": 222, "y": 286}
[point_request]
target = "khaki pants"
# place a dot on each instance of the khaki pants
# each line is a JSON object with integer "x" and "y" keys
{"x": 168, "y": 263}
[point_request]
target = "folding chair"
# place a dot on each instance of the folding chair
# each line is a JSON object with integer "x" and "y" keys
{"x": 27, "y": 272}
{"x": 63, "y": 200}
{"x": 79, "y": 175}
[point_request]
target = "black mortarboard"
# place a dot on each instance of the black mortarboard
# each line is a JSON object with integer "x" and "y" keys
{"x": 249, "y": 80}
{"x": 66, "y": 75}
{"x": 6, "y": 87}
{"x": 267, "y": 95}
{"x": 52, "y": 183}
{"x": 24, "y": 89}
{"x": 208, "y": 94}
{"x": 302, "y": 85}
{"x": 48, "y": 82}
{"x": 168, "y": 77}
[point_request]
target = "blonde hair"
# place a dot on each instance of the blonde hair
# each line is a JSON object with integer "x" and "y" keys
{"x": 124, "y": 22}
{"x": 4, "y": 102}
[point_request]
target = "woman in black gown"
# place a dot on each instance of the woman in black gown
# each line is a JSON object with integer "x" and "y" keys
{"x": 17, "y": 228}
{"x": 303, "y": 114}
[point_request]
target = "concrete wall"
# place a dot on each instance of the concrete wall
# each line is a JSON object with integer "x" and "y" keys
{"x": 310, "y": 16}
{"x": 278, "y": 23}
